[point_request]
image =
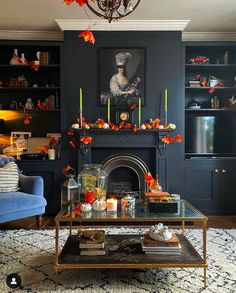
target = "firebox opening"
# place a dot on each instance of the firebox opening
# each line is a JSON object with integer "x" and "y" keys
{"x": 123, "y": 180}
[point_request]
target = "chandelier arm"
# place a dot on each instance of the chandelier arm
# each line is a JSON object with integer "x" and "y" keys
{"x": 111, "y": 17}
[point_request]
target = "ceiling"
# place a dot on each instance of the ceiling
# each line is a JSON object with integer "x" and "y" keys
{"x": 205, "y": 15}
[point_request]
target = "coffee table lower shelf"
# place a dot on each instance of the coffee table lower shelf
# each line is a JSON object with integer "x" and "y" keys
{"x": 70, "y": 258}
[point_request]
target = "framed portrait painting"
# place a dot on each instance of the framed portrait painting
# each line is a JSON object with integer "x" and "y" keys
{"x": 121, "y": 75}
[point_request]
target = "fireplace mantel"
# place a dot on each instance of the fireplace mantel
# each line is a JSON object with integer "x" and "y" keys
{"x": 124, "y": 138}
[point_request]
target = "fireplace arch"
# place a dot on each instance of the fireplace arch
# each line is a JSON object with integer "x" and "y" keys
{"x": 132, "y": 162}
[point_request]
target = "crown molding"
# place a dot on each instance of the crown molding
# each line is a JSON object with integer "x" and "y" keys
{"x": 208, "y": 36}
{"x": 122, "y": 25}
{"x": 31, "y": 35}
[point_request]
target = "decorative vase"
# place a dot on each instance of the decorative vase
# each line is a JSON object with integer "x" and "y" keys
{"x": 22, "y": 59}
{"x": 51, "y": 154}
{"x": 15, "y": 58}
{"x": 93, "y": 178}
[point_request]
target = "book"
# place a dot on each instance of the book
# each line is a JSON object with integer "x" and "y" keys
{"x": 86, "y": 251}
{"x": 89, "y": 244}
{"x": 159, "y": 248}
{"x": 163, "y": 253}
{"x": 149, "y": 242}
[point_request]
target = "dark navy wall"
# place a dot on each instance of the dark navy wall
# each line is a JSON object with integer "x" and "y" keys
{"x": 79, "y": 63}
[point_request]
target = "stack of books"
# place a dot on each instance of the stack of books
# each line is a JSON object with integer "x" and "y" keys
{"x": 168, "y": 247}
{"x": 92, "y": 242}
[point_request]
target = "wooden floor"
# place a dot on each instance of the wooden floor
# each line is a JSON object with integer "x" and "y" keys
{"x": 224, "y": 222}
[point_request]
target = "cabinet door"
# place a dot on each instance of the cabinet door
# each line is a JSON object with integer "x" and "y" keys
{"x": 228, "y": 188}
{"x": 202, "y": 184}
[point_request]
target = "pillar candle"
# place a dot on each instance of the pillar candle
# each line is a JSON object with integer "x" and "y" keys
{"x": 81, "y": 100}
{"x": 166, "y": 100}
{"x": 139, "y": 112}
{"x": 108, "y": 110}
{"x": 111, "y": 205}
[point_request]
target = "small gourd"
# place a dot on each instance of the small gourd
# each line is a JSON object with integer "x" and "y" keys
{"x": 99, "y": 205}
{"x": 86, "y": 207}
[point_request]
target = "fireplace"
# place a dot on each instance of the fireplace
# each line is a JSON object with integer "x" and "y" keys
{"x": 126, "y": 174}
{"x": 125, "y": 156}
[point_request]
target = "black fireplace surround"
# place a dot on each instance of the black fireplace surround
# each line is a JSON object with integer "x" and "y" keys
{"x": 125, "y": 156}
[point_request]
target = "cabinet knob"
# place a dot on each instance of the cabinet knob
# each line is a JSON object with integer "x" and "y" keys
{"x": 216, "y": 170}
{"x": 223, "y": 171}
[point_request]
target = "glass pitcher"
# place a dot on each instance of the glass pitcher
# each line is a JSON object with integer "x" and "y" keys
{"x": 93, "y": 178}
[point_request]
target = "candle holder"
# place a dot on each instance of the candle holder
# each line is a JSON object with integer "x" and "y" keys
{"x": 81, "y": 118}
{"x": 111, "y": 205}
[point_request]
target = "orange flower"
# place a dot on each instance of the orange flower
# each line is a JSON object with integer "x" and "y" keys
{"x": 100, "y": 122}
{"x": 88, "y": 36}
{"x": 178, "y": 138}
{"x": 86, "y": 139}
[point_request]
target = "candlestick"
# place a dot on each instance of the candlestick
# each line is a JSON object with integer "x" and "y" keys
{"x": 166, "y": 105}
{"x": 139, "y": 112}
{"x": 108, "y": 110}
{"x": 81, "y": 99}
{"x": 81, "y": 118}
{"x": 111, "y": 205}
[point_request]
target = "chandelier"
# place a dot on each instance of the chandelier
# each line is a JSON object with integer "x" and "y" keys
{"x": 112, "y": 9}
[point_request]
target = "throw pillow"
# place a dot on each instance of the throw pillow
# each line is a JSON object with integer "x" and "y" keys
{"x": 9, "y": 178}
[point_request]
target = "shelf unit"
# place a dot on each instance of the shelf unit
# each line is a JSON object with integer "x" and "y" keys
{"x": 46, "y": 77}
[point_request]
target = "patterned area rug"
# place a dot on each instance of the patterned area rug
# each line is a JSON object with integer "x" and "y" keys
{"x": 31, "y": 254}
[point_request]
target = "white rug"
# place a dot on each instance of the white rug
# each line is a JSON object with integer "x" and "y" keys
{"x": 30, "y": 253}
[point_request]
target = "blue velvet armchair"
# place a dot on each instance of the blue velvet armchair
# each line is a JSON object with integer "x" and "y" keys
{"x": 26, "y": 202}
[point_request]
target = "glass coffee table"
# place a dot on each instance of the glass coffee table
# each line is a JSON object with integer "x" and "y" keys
{"x": 69, "y": 256}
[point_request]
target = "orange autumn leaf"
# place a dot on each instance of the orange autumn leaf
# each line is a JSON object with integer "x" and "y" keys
{"x": 128, "y": 126}
{"x": 148, "y": 178}
{"x": 73, "y": 143}
{"x": 80, "y": 2}
{"x": 179, "y": 138}
{"x": 88, "y": 36}
{"x": 135, "y": 128}
{"x": 133, "y": 106}
{"x": 66, "y": 169}
{"x": 70, "y": 132}
{"x": 168, "y": 139}
{"x": 211, "y": 90}
{"x": 86, "y": 139}
{"x": 157, "y": 122}
{"x": 121, "y": 124}
{"x": 27, "y": 120}
{"x": 68, "y": 2}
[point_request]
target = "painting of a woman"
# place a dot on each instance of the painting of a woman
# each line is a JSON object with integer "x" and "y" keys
{"x": 126, "y": 84}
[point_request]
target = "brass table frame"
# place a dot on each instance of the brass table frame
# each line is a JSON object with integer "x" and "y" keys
{"x": 139, "y": 221}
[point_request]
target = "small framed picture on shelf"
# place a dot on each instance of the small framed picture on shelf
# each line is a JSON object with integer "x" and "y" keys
{"x": 20, "y": 138}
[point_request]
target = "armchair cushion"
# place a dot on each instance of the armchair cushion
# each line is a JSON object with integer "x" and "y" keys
{"x": 14, "y": 202}
{"x": 9, "y": 177}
